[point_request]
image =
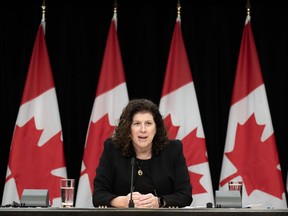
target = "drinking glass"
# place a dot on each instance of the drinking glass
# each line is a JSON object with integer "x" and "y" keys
{"x": 67, "y": 192}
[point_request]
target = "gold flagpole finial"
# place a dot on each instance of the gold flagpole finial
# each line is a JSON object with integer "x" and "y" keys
{"x": 43, "y": 10}
{"x": 178, "y": 9}
{"x": 115, "y": 8}
{"x": 248, "y": 7}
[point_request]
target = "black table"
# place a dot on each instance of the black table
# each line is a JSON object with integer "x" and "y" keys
{"x": 140, "y": 212}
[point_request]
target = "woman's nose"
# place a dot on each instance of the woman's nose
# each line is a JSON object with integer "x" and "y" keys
{"x": 143, "y": 128}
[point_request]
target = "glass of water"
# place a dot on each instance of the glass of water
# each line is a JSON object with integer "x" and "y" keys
{"x": 67, "y": 192}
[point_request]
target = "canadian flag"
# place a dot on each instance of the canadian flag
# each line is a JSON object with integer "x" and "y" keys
{"x": 36, "y": 158}
{"x": 179, "y": 106}
{"x": 250, "y": 153}
{"x": 111, "y": 98}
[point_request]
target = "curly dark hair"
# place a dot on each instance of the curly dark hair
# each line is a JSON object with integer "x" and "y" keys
{"x": 122, "y": 133}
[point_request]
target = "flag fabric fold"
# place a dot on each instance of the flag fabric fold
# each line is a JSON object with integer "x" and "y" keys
{"x": 250, "y": 153}
{"x": 36, "y": 159}
{"x": 111, "y": 98}
{"x": 179, "y": 107}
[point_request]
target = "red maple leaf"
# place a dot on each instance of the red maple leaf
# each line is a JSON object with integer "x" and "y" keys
{"x": 31, "y": 165}
{"x": 256, "y": 161}
{"x": 171, "y": 129}
{"x": 98, "y": 133}
{"x": 194, "y": 151}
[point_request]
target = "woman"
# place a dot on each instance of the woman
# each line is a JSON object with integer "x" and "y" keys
{"x": 160, "y": 175}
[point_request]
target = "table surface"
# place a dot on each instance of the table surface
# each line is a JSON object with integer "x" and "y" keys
{"x": 140, "y": 212}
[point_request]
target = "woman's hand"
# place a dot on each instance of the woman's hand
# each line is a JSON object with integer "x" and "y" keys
{"x": 146, "y": 201}
{"x": 135, "y": 197}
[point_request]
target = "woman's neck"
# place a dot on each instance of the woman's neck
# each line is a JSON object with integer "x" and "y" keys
{"x": 145, "y": 155}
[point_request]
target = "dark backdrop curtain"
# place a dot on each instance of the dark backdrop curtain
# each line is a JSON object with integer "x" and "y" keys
{"x": 76, "y": 33}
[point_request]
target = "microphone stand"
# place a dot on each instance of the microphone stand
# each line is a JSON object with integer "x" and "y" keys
{"x": 131, "y": 202}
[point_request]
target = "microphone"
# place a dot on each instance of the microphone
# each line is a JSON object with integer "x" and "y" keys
{"x": 131, "y": 203}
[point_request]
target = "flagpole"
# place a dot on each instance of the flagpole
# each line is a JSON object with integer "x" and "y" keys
{"x": 115, "y": 8}
{"x": 178, "y": 10}
{"x": 43, "y": 10}
{"x": 248, "y": 6}
{"x": 115, "y": 12}
{"x": 43, "y": 6}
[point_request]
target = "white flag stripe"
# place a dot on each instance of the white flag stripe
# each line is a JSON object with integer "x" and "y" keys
{"x": 84, "y": 193}
{"x": 243, "y": 109}
{"x": 43, "y": 107}
{"x": 10, "y": 193}
{"x": 106, "y": 103}
{"x": 170, "y": 105}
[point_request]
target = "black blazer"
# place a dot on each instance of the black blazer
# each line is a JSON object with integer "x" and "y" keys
{"x": 169, "y": 172}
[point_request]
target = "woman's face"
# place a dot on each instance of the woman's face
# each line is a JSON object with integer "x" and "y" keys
{"x": 143, "y": 130}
